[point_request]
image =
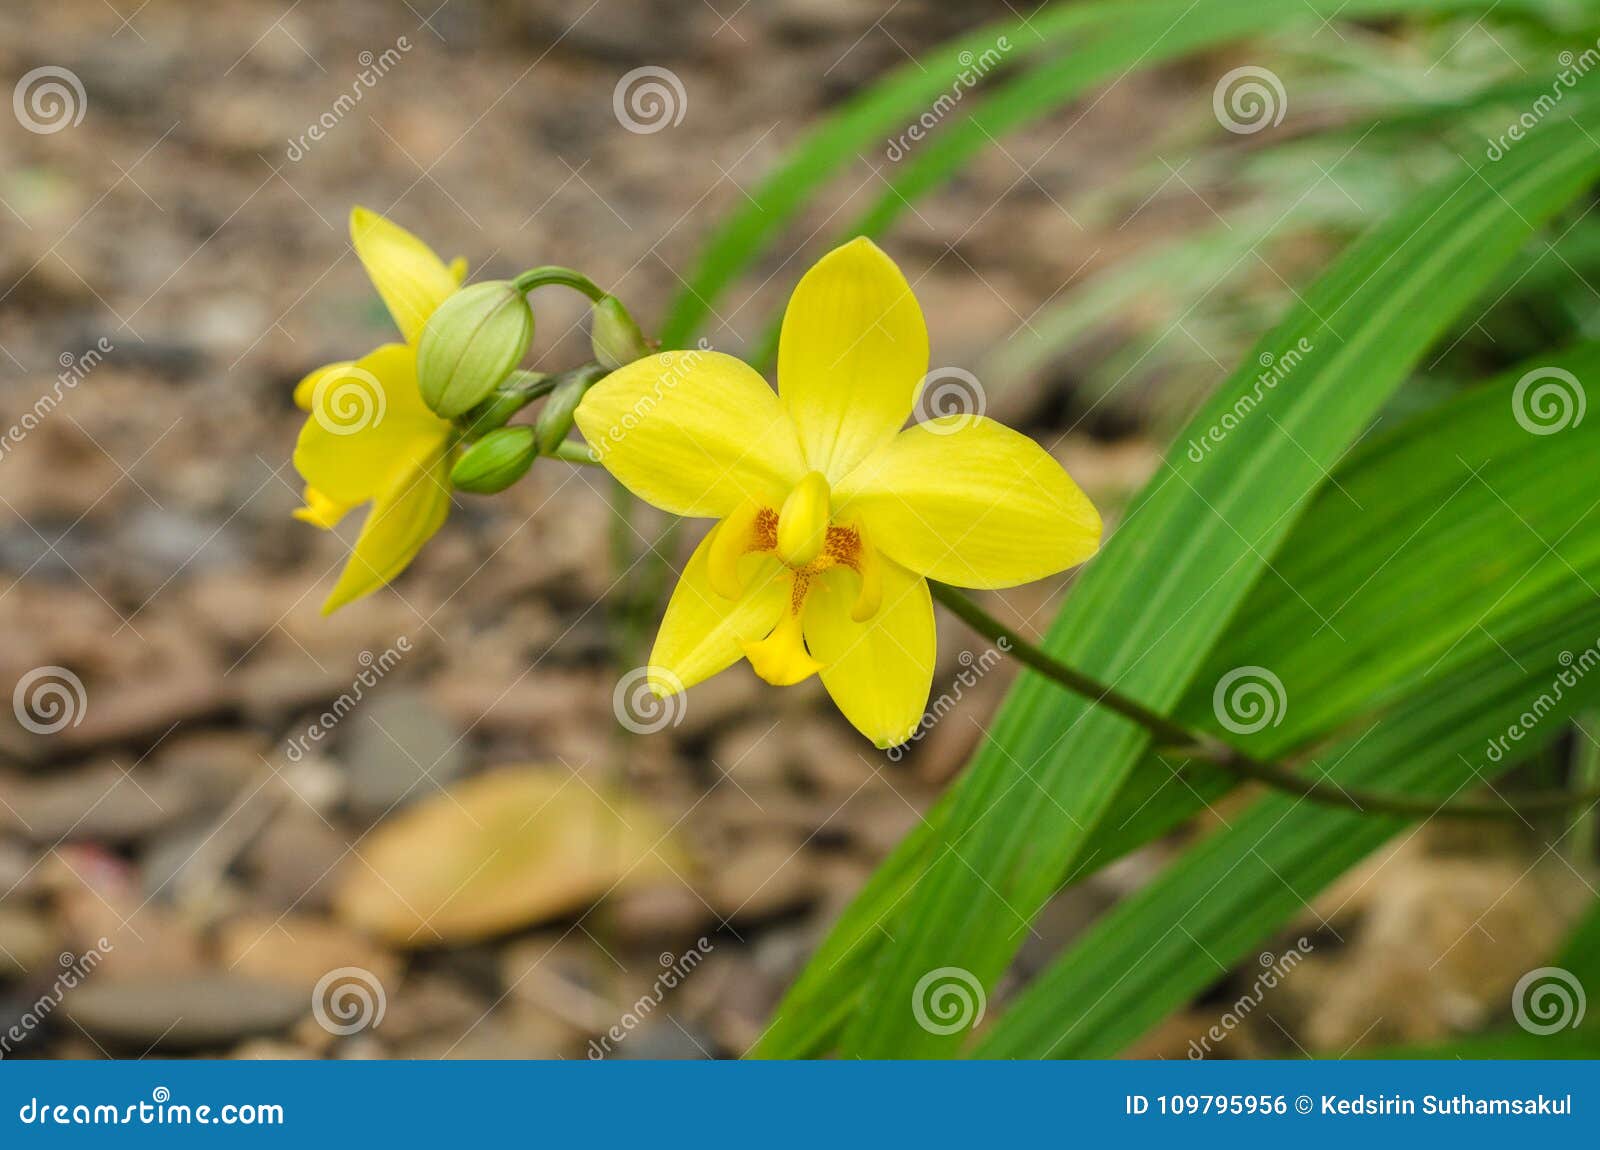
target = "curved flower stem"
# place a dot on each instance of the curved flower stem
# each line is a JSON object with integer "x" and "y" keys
{"x": 555, "y": 274}
{"x": 1203, "y": 747}
{"x": 573, "y": 451}
{"x": 520, "y": 389}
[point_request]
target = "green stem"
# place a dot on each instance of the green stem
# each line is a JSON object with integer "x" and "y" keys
{"x": 521, "y": 389}
{"x": 1200, "y": 746}
{"x": 1048, "y": 665}
{"x": 574, "y": 451}
{"x": 563, "y": 277}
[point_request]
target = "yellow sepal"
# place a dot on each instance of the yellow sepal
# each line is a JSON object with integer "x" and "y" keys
{"x": 320, "y": 510}
{"x": 408, "y": 274}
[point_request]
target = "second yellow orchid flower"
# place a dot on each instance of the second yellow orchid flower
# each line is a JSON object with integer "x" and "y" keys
{"x": 369, "y": 436}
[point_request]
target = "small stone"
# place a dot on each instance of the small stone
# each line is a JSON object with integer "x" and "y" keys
{"x": 399, "y": 749}
{"x": 298, "y": 950}
{"x": 665, "y": 1040}
{"x": 295, "y": 860}
{"x": 761, "y": 879}
{"x": 27, "y": 943}
{"x": 182, "y": 1013}
{"x": 660, "y": 912}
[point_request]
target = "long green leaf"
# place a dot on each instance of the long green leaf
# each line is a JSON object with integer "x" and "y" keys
{"x": 1215, "y": 903}
{"x": 1107, "y": 38}
{"x": 1511, "y": 498}
{"x": 1147, "y": 612}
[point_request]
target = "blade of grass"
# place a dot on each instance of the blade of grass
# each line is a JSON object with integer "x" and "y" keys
{"x": 1212, "y": 905}
{"x": 1331, "y": 555}
{"x": 1106, "y": 39}
{"x": 1176, "y": 571}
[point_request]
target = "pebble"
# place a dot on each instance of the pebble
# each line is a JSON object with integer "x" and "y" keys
{"x": 27, "y": 942}
{"x": 761, "y": 879}
{"x": 398, "y": 749}
{"x": 295, "y": 860}
{"x": 183, "y": 1013}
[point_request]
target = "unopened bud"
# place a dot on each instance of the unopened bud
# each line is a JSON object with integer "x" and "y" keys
{"x": 496, "y": 461}
{"x": 555, "y": 417}
{"x": 614, "y": 335}
{"x": 470, "y": 344}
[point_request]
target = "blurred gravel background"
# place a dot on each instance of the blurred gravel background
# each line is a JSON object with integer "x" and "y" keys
{"x": 504, "y": 867}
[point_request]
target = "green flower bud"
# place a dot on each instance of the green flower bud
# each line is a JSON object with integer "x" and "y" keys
{"x": 555, "y": 417}
{"x": 616, "y": 339}
{"x": 496, "y": 461}
{"x": 471, "y": 343}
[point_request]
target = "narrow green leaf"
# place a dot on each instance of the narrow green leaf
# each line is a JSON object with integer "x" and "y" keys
{"x": 1214, "y": 904}
{"x": 1106, "y": 39}
{"x": 1330, "y": 557}
{"x": 1148, "y": 610}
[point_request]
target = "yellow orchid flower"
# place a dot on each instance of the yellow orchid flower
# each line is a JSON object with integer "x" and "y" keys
{"x": 832, "y": 518}
{"x": 369, "y": 436}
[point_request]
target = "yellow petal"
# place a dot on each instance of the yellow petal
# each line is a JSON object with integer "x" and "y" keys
{"x": 703, "y": 631}
{"x": 852, "y": 352}
{"x": 878, "y": 672}
{"x": 367, "y": 423}
{"x": 781, "y": 658}
{"x": 869, "y": 566}
{"x": 402, "y": 519}
{"x": 694, "y": 432}
{"x": 320, "y": 511}
{"x": 306, "y": 388}
{"x": 968, "y": 501}
{"x": 408, "y": 275}
{"x": 726, "y": 547}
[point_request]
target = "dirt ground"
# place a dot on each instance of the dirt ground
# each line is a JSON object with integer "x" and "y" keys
{"x": 472, "y": 849}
